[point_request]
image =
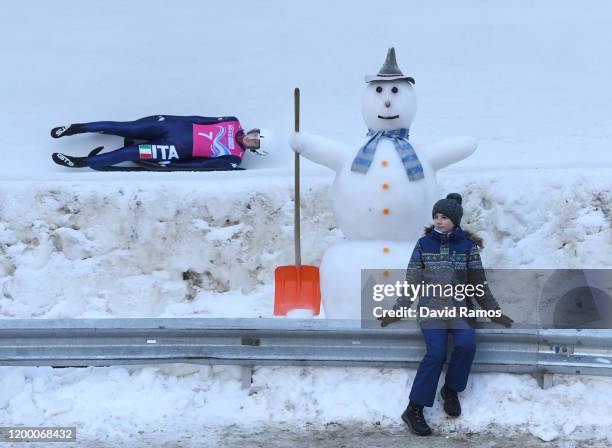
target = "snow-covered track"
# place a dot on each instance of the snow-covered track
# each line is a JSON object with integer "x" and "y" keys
{"x": 252, "y": 342}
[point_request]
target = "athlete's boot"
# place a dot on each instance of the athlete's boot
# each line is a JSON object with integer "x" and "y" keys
{"x": 72, "y": 129}
{"x": 69, "y": 161}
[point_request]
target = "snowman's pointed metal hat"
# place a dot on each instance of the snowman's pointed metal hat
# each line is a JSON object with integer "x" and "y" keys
{"x": 389, "y": 71}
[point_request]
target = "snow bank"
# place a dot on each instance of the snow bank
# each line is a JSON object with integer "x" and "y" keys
{"x": 121, "y": 404}
{"x": 133, "y": 249}
{"x": 209, "y": 246}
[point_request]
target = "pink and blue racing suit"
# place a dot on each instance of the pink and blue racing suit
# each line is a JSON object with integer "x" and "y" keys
{"x": 197, "y": 142}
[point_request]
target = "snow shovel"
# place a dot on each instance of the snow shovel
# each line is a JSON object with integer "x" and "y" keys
{"x": 297, "y": 287}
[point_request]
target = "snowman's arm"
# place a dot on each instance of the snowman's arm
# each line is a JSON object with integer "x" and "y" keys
{"x": 319, "y": 149}
{"x": 444, "y": 153}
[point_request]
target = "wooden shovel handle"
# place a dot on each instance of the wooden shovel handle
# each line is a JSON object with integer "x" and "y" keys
{"x": 296, "y": 210}
{"x": 296, "y": 104}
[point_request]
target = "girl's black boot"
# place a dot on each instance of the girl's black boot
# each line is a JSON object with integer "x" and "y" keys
{"x": 413, "y": 417}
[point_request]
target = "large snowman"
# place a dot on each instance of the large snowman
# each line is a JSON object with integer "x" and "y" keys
{"x": 383, "y": 192}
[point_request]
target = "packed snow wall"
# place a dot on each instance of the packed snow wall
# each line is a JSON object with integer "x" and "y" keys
{"x": 131, "y": 248}
{"x": 146, "y": 249}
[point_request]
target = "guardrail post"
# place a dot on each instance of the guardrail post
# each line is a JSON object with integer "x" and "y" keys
{"x": 246, "y": 373}
{"x": 545, "y": 380}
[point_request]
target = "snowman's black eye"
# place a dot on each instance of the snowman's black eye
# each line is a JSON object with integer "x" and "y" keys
{"x": 394, "y": 89}
{"x": 379, "y": 89}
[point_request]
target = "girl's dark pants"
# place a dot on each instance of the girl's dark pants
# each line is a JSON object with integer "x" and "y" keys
{"x": 436, "y": 334}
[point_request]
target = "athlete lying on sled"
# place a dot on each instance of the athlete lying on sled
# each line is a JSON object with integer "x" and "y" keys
{"x": 168, "y": 143}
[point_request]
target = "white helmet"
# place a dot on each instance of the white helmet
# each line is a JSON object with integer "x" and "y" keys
{"x": 266, "y": 141}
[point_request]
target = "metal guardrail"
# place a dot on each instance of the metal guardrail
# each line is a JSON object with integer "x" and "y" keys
{"x": 314, "y": 342}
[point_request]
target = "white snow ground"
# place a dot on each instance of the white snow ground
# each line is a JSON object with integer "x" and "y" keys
{"x": 528, "y": 80}
{"x": 122, "y": 404}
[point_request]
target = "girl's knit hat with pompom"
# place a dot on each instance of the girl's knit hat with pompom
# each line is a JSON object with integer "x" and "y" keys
{"x": 451, "y": 207}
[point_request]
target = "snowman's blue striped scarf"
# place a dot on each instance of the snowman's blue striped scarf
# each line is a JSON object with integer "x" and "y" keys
{"x": 412, "y": 165}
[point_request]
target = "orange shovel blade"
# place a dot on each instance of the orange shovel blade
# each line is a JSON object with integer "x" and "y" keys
{"x": 296, "y": 287}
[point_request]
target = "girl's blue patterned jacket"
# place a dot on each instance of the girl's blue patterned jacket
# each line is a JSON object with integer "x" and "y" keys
{"x": 449, "y": 259}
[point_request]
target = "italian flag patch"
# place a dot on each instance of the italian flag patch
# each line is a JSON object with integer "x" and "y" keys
{"x": 145, "y": 151}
